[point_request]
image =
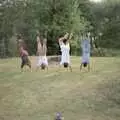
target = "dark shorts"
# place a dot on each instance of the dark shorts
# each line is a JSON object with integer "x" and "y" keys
{"x": 25, "y": 61}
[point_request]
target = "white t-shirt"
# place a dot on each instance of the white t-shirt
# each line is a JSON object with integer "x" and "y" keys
{"x": 42, "y": 60}
{"x": 65, "y": 49}
{"x": 85, "y": 51}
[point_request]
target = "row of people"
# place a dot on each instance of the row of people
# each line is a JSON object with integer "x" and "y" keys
{"x": 42, "y": 62}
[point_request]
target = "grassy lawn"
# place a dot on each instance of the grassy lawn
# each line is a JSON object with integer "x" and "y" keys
{"x": 78, "y": 95}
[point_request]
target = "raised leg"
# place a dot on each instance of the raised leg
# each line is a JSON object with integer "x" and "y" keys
{"x": 44, "y": 48}
{"x": 22, "y": 65}
{"x": 39, "y": 46}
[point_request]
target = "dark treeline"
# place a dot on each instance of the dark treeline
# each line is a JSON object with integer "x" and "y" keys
{"x": 56, "y": 17}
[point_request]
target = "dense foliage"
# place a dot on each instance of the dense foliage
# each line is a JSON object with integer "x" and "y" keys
{"x": 55, "y": 17}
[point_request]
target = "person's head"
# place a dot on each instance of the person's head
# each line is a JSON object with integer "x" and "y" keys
{"x": 85, "y": 64}
{"x": 65, "y": 65}
{"x": 58, "y": 116}
{"x": 43, "y": 66}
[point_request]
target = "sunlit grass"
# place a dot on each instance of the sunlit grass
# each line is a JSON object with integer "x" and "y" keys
{"x": 78, "y": 95}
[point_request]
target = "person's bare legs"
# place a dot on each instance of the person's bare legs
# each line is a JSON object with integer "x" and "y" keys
{"x": 22, "y": 66}
{"x": 39, "y": 47}
{"x": 39, "y": 51}
{"x": 29, "y": 65}
{"x": 44, "y": 47}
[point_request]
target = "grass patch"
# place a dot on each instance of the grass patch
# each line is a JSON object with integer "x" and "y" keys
{"x": 78, "y": 95}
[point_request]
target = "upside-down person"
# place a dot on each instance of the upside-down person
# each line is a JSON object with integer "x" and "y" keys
{"x": 41, "y": 51}
{"x": 64, "y": 43}
{"x": 86, "y": 53}
{"x": 23, "y": 53}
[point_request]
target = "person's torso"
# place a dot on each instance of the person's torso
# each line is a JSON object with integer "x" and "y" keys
{"x": 65, "y": 48}
{"x": 23, "y": 53}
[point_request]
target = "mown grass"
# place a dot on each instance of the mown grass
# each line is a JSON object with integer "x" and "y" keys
{"x": 93, "y": 95}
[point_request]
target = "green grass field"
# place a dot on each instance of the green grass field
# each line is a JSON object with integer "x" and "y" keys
{"x": 93, "y": 95}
